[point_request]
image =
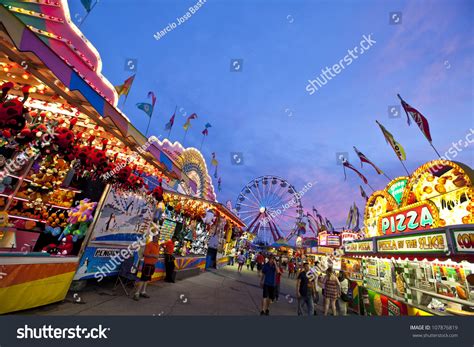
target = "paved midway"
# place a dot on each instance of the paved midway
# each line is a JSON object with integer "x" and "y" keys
{"x": 222, "y": 292}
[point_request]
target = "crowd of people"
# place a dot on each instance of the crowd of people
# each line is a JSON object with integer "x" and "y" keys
{"x": 312, "y": 284}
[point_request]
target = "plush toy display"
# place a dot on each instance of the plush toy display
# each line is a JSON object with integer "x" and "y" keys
{"x": 79, "y": 219}
{"x": 64, "y": 248}
{"x": 12, "y": 112}
{"x": 210, "y": 217}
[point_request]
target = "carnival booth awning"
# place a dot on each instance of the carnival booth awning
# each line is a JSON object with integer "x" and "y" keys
{"x": 50, "y": 47}
{"x": 51, "y": 77}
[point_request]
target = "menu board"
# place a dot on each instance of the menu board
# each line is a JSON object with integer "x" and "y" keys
{"x": 167, "y": 229}
{"x": 352, "y": 267}
{"x": 385, "y": 275}
{"x": 371, "y": 266}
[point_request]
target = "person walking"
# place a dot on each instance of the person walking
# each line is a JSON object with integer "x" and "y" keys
{"x": 232, "y": 256}
{"x": 248, "y": 260}
{"x": 260, "y": 259}
{"x": 332, "y": 291}
{"x": 168, "y": 248}
{"x": 240, "y": 261}
{"x": 278, "y": 281}
{"x": 151, "y": 254}
{"x": 253, "y": 261}
{"x": 305, "y": 291}
{"x": 268, "y": 283}
{"x": 343, "y": 300}
{"x": 291, "y": 269}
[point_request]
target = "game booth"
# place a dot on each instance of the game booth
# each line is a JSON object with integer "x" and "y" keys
{"x": 418, "y": 258}
{"x": 78, "y": 182}
{"x": 323, "y": 249}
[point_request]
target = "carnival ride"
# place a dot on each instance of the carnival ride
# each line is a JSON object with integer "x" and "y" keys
{"x": 271, "y": 207}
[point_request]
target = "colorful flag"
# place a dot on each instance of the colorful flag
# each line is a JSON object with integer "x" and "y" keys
{"x": 205, "y": 132}
{"x": 356, "y": 223}
{"x": 214, "y": 162}
{"x": 398, "y": 149}
{"x": 363, "y": 194}
{"x": 124, "y": 88}
{"x": 363, "y": 158}
{"x": 87, "y": 4}
{"x": 169, "y": 125}
{"x": 153, "y": 98}
{"x": 187, "y": 125}
{"x": 419, "y": 119}
{"x": 345, "y": 164}
{"x": 147, "y": 107}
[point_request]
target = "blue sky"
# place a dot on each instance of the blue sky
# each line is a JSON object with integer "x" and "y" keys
{"x": 427, "y": 59}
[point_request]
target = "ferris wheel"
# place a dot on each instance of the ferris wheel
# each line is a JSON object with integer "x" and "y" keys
{"x": 270, "y": 207}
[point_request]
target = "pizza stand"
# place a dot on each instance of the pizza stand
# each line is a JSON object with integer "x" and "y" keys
{"x": 418, "y": 258}
{"x": 52, "y": 190}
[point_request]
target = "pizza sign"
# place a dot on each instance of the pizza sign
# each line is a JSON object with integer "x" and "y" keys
{"x": 425, "y": 243}
{"x": 413, "y": 218}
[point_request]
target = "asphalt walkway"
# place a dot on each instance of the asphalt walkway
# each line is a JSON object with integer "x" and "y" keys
{"x": 222, "y": 292}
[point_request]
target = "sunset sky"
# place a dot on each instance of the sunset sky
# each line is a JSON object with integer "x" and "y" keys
{"x": 265, "y": 112}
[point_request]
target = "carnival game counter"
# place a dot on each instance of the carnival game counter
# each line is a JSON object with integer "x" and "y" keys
{"x": 223, "y": 261}
{"x": 183, "y": 265}
{"x": 34, "y": 279}
{"x": 420, "y": 273}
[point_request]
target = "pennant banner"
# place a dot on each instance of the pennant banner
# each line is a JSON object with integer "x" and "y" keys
{"x": 169, "y": 125}
{"x": 364, "y": 159}
{"x": 363, "y": 194}
{"x": 146, "y": 107}
{"x": 397, "y": 148}
{"x": 345, "y": 164}
{"x": 187, "y": 125}
{"x": 124, "y": 88}
{"x": 419, "y": 119}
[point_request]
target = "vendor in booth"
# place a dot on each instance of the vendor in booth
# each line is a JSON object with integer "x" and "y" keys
{"x": 168, "y": 248}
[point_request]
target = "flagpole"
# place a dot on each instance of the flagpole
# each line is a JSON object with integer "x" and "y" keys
{"x": 202, "y": 141}
{"x": 370, "y": 187}
{"x": 401, "y": 161}
{"x": 185, "y": 133}
{"x": 431, "y": 144}
{"x": 174, "y": 114}
{"x": 386, "y": 176}
{"x": 82, "y": 21}
{"x": 149, "y": 121}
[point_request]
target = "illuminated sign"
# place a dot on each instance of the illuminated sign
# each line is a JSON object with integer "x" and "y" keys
{"x": 359, "y": 247}
{"x": 424, "y": 243}
{"x": 333, "y": 240}
{"x": 464, "y": 240}
{"x": 325, "y": 250}
{"x": 347, "y": 236}
{"x": 328, "y": 240}
{"x": 417, "y": 217}
{"x": 397, "y": 188}
{"x": 323, "y": 239}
